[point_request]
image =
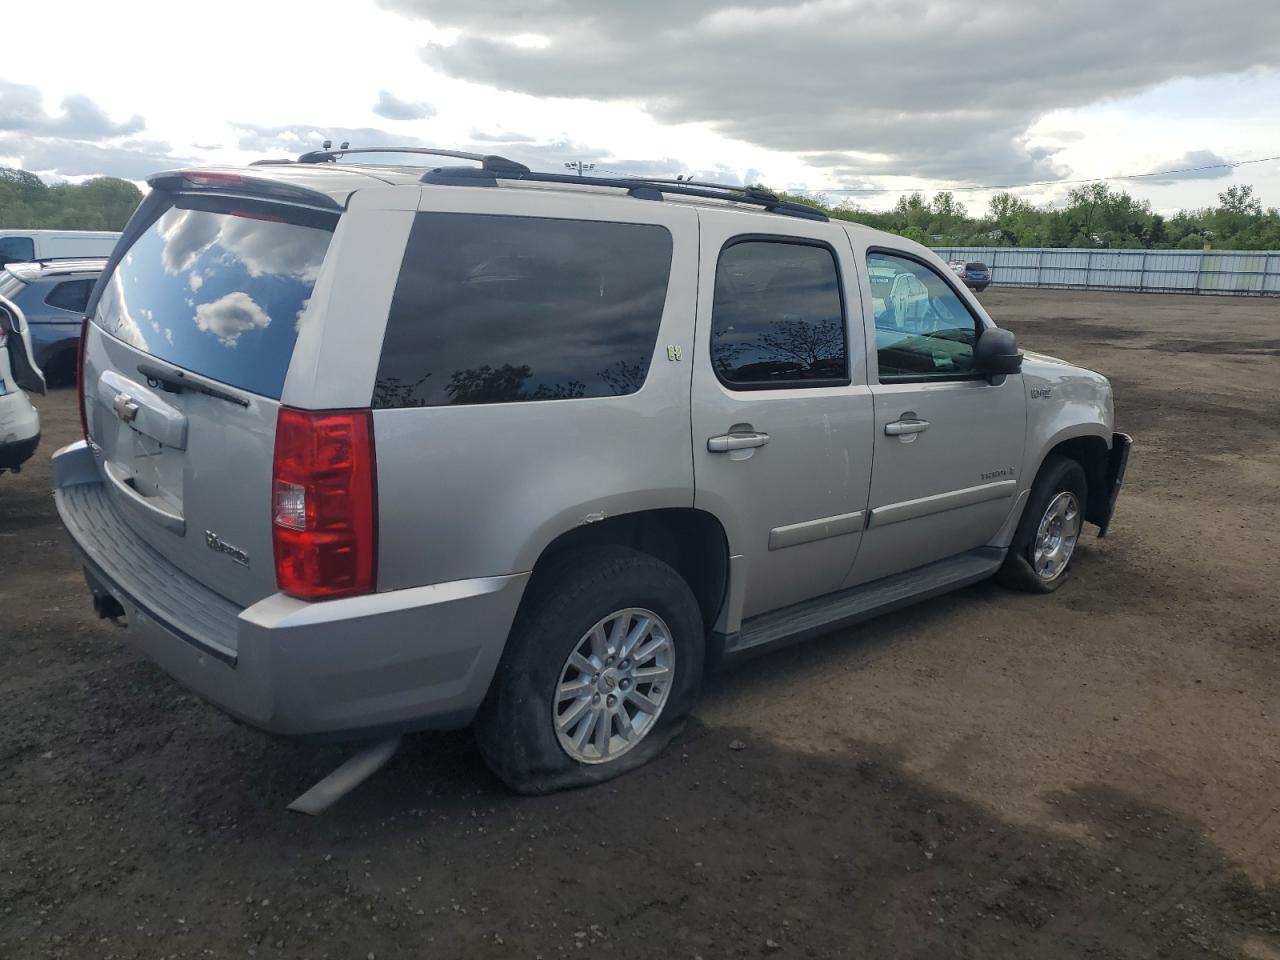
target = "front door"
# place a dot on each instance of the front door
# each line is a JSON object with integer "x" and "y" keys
{"x": 782, "y": 417}
{"x": 948, "y": 443}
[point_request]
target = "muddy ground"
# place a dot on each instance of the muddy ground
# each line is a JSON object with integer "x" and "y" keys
{"x": 1094, "y": 773}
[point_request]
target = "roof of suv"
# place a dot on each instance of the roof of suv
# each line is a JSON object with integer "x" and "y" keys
{"x": 56, "y": 267}
{"x": 319, "y": 172}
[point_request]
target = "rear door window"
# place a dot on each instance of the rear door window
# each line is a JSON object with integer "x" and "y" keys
{"x": 218, "y": 286}
{"x": 504, "y": 309}
{"x": 70, "y": 295}
{"x": 778, "y": 316}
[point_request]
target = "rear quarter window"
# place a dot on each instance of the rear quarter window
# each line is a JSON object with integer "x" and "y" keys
{"x": 505, "y": 309}
{"x": 72, "y": 295}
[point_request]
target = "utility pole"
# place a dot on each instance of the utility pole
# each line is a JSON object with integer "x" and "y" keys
{"x": 579, "y": 165}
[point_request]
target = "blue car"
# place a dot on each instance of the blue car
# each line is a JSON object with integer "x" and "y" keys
{"x": 52, "y": 295}
{"x": 976, "y": 275}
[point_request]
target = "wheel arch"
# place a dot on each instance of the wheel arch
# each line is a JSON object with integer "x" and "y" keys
{"x": 690, "y": 541}
{"x": 1092, "y": 451}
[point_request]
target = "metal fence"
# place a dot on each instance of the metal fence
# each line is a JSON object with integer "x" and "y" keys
{"x": 1238, "y": 273}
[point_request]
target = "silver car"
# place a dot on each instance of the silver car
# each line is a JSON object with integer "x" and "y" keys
{"x": 371, "y": 449}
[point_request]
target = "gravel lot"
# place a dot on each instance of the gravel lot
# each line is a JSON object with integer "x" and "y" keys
{"x": 1096, "y": 772}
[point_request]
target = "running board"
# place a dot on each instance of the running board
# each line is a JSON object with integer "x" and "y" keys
{"x": 812, "y": 617}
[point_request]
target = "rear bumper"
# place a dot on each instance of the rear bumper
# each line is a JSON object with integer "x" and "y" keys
{"x": 19, "y": 429}
{"x": 1117, "y": 463}
{"x": 361, "y": 666}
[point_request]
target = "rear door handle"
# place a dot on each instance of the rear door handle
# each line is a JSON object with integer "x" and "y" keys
{"x": 736, "y": 441}
{"x": 901, "y": 428}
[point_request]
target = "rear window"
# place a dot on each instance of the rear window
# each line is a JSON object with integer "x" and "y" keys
{"x": 502, "y": 309}
{"x": 975, "y": 266}
{"x": 218, "y": 286}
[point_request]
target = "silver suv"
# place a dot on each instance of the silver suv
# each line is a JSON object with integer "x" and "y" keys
{"x": 379, "y": 448}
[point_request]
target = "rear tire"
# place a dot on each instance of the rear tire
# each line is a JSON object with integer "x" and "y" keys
{"x": 1039, "y": 559}
{"x": 541, "y": 702}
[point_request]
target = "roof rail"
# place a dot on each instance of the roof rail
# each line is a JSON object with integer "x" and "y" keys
{"x": 645, "y": 188}
{"x": 493, "y": 164}
{"x": 650, "y": 188}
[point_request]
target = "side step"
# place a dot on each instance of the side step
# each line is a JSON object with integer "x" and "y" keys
{"x": 822, "y": 614}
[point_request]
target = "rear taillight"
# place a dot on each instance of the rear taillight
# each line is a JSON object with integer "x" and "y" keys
{"x": 84, "y": 416}
{"x": 324, "y": 503}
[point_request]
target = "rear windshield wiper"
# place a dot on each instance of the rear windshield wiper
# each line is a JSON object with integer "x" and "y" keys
{"x": 175, "y": 381}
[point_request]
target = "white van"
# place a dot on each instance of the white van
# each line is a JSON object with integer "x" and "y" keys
{"x": 17, "y": 246}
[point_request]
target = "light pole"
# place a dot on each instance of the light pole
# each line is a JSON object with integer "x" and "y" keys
{"x": 579, "y": 166}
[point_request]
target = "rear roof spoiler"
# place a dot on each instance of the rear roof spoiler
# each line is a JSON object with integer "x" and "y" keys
{"x": 236, "y": 182}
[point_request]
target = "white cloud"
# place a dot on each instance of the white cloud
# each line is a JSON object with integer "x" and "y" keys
{"x": 393, "y": 108}
{"x": 230, "y": 316}
{"x": 913, "y": 95}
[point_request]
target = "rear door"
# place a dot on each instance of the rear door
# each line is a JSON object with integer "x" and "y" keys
{"x": 185, "y": 362}
{"x": 948, "y": 443}
{"x": 782, "y": 416}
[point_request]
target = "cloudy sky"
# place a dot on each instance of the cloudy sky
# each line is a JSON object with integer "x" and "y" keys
{"x": 871, "y": 96}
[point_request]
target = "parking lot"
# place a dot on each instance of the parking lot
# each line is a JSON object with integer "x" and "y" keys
{"x": 1095, "y": 772}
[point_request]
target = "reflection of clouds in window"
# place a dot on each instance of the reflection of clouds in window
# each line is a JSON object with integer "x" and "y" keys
{"x": 297, "y": 321}
{"x": 114, "y": 313}
{"x": 186, "y": 235}
{"x": 230, "y": 316}
{"x": 263, "y": 247}
{"x": 275, "y": 248}
{"x": 168, "y": 335}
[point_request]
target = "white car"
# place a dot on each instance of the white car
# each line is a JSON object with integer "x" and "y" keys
{"x": 19, "y": 421}
{"x": 20, "y": 246}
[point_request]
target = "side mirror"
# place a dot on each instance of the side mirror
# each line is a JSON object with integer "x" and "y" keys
{"x": 997, "y": 353}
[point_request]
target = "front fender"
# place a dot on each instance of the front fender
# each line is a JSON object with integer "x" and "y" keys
{"x": 1064, "y": 402}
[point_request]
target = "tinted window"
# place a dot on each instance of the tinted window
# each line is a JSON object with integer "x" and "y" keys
{"x": 16, "y": 249}
{"x": 975, "y": 266}
{"x": 778, "y": 319}
{"x": 923, "y": 330}
{"x": 219, "y": 287}
{"x": 495, "y": 309}
{"x": 70, "y": 295}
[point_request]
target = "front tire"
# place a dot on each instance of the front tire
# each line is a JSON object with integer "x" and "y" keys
{"x": 1044, "y": 544}
{"x": 603, "y": 664}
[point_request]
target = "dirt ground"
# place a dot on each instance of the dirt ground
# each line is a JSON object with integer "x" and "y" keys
{"x": 1093, "y": 773}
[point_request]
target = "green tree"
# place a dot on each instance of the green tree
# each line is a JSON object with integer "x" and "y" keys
{"x": 103, "y": 203}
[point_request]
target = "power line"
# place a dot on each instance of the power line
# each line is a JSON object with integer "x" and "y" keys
{"x": 1018, "y": 186}
{"x": 1049, "y": 183}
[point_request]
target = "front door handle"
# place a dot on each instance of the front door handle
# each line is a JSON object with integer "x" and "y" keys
{"x": 902, "y": 428}
{"x": 736, "y": 441}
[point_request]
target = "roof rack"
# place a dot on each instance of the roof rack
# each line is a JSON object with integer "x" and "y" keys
{"x": 491, "y": 163}
{"x": 493, "y": 167}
